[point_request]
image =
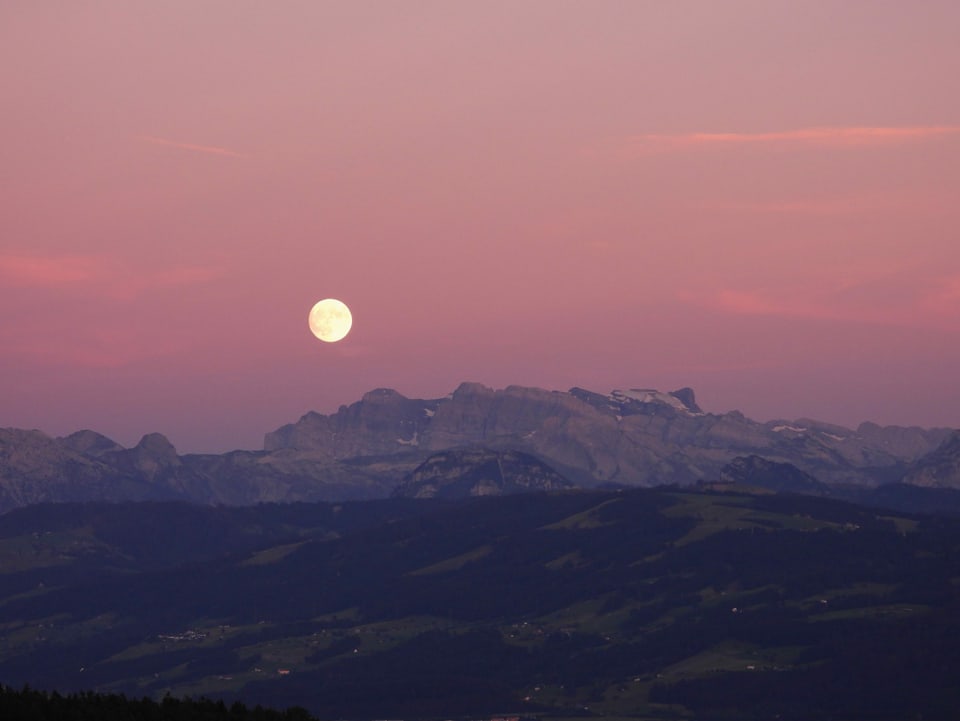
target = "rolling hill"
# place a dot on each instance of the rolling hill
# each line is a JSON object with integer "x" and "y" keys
{"x": 667, "y": 603}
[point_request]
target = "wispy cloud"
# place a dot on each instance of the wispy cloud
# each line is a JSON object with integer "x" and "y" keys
{"x": 48, "y": 336}
{"x": 86, "y": 352}
{"x": 899, "y": 301}
{"x": 844, "y": 137}
{"x": 942, "y": 299}
{"x": 794, "y": 207}
{"x": 48, "y": 272}
{"x": 96, "y": 275}
{"x": 927, "y": 203}
{"x": 192, "y": 147}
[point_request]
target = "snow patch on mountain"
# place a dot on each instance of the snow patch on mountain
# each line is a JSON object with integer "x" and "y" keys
{"x": 795, "y": 429}
{"x": 650, "y": 395}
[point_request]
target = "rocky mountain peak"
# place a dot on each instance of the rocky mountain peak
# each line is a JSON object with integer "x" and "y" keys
{"x": 152, "y": 456}
{"x": 681, "y": 400}
{"x": 156, "y": 445}
{"x": 91, "y": 443}
{"x": 472, "y": 389}
{"x": 382, "y": 396}
{"x": 686, "y": 396}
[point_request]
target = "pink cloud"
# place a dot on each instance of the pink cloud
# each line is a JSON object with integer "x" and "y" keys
{"x": 58, "y": 353}
{"x": 801, "y": 207}
{"x": 99, "y": 292}
{"x": 902, "y": 203}
{"x": 752, "y": 303}
{"x": 822, "y": 136}
{"x": 746, "y": 303}
{"x": 96, "y": 275}
{"x": 919, "y": 301}
{"x": 37, "y": 271}
{"x": 65, "y": 343}
{"x": 208, "y": 149}
{"x": 943, "y": 298}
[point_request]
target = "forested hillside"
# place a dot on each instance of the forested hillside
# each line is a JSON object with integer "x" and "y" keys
{"x": 642, "y": 604}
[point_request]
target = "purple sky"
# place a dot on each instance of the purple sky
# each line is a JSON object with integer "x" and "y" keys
{"x": 756, "y": 198}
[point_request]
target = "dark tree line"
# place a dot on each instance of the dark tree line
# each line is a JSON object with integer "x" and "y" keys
{"x": 28, "y": 703}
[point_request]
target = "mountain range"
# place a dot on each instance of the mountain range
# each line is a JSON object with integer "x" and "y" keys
{"x": 492, "y": 554}
{"x": 386, "y": 443}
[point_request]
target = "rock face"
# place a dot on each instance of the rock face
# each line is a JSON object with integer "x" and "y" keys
{"x": 635, "y": 437}
{"x": 939, "y": 468}
{"x": 381, "y": 423}
{"x": 85, "y": 466}
{"x": 35, "y": 468}
{"x": 479, "y": 472}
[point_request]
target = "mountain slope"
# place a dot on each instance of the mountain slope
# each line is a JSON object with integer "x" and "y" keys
{"x": 938, "y": 469}
{"x": 479, "y": 472}
{"x": 780, "y": 477}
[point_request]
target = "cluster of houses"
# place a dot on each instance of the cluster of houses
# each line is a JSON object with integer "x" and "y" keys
{"x": 190, "y": 635}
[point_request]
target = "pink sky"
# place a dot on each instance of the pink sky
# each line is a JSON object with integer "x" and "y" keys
{"x": 756, "y": 198}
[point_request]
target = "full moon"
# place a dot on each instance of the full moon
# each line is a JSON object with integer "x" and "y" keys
{"x": 330, "y": 320}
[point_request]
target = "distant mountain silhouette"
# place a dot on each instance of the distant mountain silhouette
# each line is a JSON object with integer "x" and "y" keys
{"x": 637, "y": 437}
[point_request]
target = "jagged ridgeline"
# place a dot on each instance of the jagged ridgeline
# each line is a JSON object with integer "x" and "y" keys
{"x": 665, "y": 604}
{"x": 366, "y": 450}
